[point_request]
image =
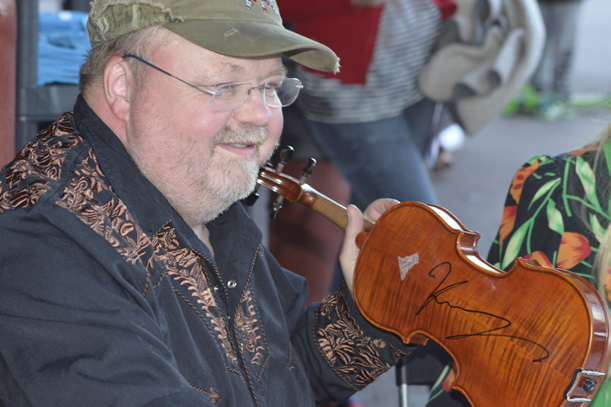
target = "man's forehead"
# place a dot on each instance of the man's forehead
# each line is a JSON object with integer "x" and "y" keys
{"x": 271, "y": 66}
{"x": 275, "y": 65}
{"x": 231, "y": 67}
{"x": 206, "y": 63}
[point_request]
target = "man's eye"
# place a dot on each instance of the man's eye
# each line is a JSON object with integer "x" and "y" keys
{"x": 273, "y": 85}
{"x": 228, "y": 90}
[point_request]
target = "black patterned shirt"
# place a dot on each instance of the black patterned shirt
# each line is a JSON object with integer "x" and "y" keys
{"x": 107, "y": 297}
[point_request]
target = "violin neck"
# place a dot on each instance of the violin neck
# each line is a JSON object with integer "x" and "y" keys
{"x": 291, "y": 189}
{"x": 327, "y": 207}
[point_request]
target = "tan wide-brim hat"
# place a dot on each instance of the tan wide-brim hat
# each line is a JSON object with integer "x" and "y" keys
{"x": 239, "y": 28}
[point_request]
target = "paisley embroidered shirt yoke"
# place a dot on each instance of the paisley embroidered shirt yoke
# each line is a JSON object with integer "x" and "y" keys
{"x": 107, "y": 297}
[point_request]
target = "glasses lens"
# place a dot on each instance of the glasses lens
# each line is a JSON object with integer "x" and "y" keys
{"x": 229, "y": 96}
{"x": 278, "y": 93}
{"x": 282, "y": 93}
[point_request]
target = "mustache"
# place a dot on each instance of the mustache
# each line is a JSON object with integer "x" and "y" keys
{"x": 241, "y": 135}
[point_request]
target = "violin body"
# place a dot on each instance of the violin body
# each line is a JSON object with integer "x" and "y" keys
{"x": 529, "y": 337}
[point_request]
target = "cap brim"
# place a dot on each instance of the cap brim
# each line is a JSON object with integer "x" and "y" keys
{"x": 252, "y": 39}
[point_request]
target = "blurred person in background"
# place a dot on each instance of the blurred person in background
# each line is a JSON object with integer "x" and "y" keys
{"x": 552, "y": 80}
{"x": 370, "y": 120}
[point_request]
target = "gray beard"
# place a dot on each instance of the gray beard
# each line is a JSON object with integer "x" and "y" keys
{"x": 219, "y": 185}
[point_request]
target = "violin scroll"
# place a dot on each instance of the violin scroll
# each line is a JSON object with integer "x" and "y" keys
{"x": 294, "y": 191}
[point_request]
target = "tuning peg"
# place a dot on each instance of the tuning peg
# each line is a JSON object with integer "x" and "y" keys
{"x": 307, "y": 170}
{"x": 285, "y": 155}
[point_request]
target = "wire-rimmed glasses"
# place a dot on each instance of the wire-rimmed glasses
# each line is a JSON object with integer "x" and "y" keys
{"x": 229, "y": 96}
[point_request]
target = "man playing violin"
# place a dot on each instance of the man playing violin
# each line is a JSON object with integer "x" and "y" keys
{"x": 130, "y": 273}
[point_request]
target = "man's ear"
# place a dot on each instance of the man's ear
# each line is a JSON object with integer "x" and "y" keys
{"x": 117, "y": 80}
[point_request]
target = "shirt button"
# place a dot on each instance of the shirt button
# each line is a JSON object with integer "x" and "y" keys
{"x": 231, "y": 284}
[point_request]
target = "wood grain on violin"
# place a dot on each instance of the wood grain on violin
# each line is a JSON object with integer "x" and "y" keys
{"x": 532, "y": 336}
{"x": 529, "y": 337}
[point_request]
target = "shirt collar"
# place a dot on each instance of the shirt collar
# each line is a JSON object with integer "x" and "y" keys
{"x": 146, "y": 203}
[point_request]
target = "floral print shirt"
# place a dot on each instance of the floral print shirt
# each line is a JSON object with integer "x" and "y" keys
{"x": 554, "y": 213}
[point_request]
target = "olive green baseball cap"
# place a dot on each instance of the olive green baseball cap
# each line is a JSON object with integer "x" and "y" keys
{"x": 239, "y": 28}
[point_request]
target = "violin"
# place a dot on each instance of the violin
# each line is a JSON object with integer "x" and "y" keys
{"x": 529, "y": 337}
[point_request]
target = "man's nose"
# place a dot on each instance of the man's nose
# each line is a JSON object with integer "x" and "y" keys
{"x": 254, "y": 110}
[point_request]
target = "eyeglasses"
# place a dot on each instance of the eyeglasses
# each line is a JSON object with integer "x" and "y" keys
{"x": 230, "y": 96}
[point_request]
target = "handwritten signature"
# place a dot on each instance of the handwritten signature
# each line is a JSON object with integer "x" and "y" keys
{"x": 442, "y": 288}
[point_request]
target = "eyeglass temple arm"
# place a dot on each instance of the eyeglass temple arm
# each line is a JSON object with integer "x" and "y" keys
{"x": 169, "y": 74}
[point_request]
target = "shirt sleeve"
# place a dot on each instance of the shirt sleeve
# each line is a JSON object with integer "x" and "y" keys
{"x": 351, "y": 351}
{"x": 341, "y": 351}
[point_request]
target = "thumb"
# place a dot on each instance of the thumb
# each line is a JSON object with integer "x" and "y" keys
{"x": 350, "y": 251}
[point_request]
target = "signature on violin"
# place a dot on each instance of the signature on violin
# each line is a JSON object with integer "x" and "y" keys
{"x": 443, "y": 288}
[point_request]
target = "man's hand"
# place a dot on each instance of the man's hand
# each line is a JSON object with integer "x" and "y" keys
{"x": 350, "y": 251}
{"x": 367, "y": 3}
